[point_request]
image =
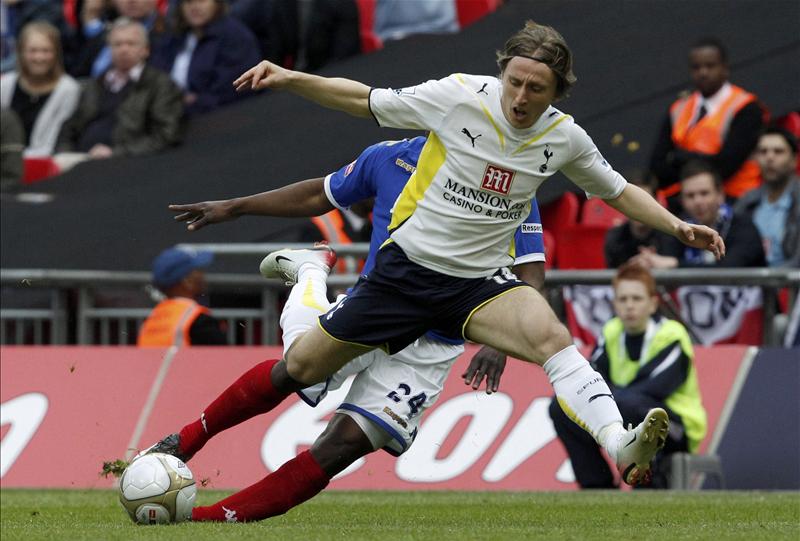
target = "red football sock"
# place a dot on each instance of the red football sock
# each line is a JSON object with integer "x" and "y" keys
{"x": 290, "y": 485}
{"x": 250, "y": 395}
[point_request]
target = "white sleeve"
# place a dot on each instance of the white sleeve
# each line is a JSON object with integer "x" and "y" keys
{"x": 589, "y": 170}
{"x": 329, "y": 193}
{"x": 533, "y": 257}
{"x": 421, "y": 107}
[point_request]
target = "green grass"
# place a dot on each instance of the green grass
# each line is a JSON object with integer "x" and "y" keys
{"x": 429, "y": 516}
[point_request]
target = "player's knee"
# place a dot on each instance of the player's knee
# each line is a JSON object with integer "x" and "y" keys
{"x": 558, "y": 338}
{"x": 302, "y": 368}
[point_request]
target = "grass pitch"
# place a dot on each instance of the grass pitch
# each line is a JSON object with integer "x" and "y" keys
{"x": 76, "y": 515}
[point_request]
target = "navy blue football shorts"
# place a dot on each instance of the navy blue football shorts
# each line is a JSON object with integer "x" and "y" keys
{"x": 400, "y": 301}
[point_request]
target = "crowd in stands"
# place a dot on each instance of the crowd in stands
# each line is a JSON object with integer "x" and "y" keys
{"x": 73, "y": 89}
{"x": 717, "y": 160}
{"x": 93, "y": 79}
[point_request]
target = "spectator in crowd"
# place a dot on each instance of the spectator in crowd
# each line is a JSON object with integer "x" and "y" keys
{"x": 179, "y": 320}
{"x": 131, "y": 109}
{"x": 16, "y": 14}
{"x": 207, "y": 52}
{"x": 625, "y": 240}
{"x": 775, "y": 206}
{"x": 398, "y": 19}
{"x": 718, "y": 122}
{"x": 12, "y": 143}
{"x": 275, "y": 24}
{"x": 41, "y": 94}
{"x": 704, "y": 203}
{"x": 87, "y": 39}
{"x": 647, "y": 361}
{"x": 94, "y": 57}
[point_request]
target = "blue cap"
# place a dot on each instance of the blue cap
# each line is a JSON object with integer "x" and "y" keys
{"x": 174, "y": 264}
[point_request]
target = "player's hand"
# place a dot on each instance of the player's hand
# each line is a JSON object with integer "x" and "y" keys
{"x": 198, "y": 215}
{"x": 263, "y": 75}
{"x": 700, "y": 236}
{"x": 488, "y": 363}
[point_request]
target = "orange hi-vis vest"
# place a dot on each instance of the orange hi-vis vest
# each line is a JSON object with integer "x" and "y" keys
{"x": 169, "y": 323}
{"x": 331, "y": 225}
{"x": 708, "y": 135}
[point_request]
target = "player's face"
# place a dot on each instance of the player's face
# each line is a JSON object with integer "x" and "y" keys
{"x": 707, "y": 69}
{"x": 774, "y": 156}
{"x": 633, "y": 305}
{"x": 529, "y": 87}
{"x": 701, "y": 199}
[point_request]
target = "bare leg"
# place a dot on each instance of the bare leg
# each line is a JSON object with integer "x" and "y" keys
{"x": 521, "y": 324}
{"x": 342, "y": 443}
{"x": 316, "y": 355}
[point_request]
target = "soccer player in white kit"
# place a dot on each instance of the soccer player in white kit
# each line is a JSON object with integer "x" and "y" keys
{"x": 492, "y": 142}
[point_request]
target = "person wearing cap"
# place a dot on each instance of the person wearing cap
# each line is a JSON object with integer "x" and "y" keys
{"x": 179, "y": 320}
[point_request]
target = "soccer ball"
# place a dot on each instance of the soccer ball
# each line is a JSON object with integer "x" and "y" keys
{"x": 157, "y": 489}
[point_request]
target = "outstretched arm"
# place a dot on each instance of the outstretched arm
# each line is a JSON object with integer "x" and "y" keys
{"x": 638, "y": 205}
{"x": 336, "y": 93}
{"x": 304, "y": 198}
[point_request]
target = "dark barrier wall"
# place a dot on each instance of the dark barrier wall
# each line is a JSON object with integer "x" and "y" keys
{"x": 630, "y": 62}
{"x": 761, "y": 446}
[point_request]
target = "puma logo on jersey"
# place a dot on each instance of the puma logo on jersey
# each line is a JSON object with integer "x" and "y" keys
{"x": 496, "y": 179}
{"x": 547, "y": 156}
{"x": 465, "y": 131}
{"x": 483, "y": 89}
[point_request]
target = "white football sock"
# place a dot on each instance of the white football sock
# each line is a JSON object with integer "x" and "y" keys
{"x": 307, "y": 300}
{"x": 585, "y": 397}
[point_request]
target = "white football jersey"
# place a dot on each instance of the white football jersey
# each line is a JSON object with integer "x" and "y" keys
{"x": 477, "y": 174}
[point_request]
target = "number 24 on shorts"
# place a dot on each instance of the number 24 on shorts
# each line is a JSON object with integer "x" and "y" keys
{"x": 414, "y": 403}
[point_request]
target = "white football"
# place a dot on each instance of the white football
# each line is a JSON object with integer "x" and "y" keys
{"x": 157, "y": 489}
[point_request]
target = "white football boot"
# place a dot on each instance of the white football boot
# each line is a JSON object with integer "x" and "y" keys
{"x": 638, "y": 446}
{"x": 285, "y": 264}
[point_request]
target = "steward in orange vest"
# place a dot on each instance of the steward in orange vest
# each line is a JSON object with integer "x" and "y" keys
{"x": 718, "y": 122}
{"x": 179, "y": 320}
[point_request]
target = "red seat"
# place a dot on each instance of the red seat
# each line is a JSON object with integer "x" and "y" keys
{"x": 549, "y": 248}
{"x": 584, "y": 247}
{"x": 37, "y": 169}
{"x": 598, "y": 212}
{"x": 366, "y": 19}
{"x": 469, "y": 11}
{"x": 562, "y": 212}
{"x": 557, "y": 216}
